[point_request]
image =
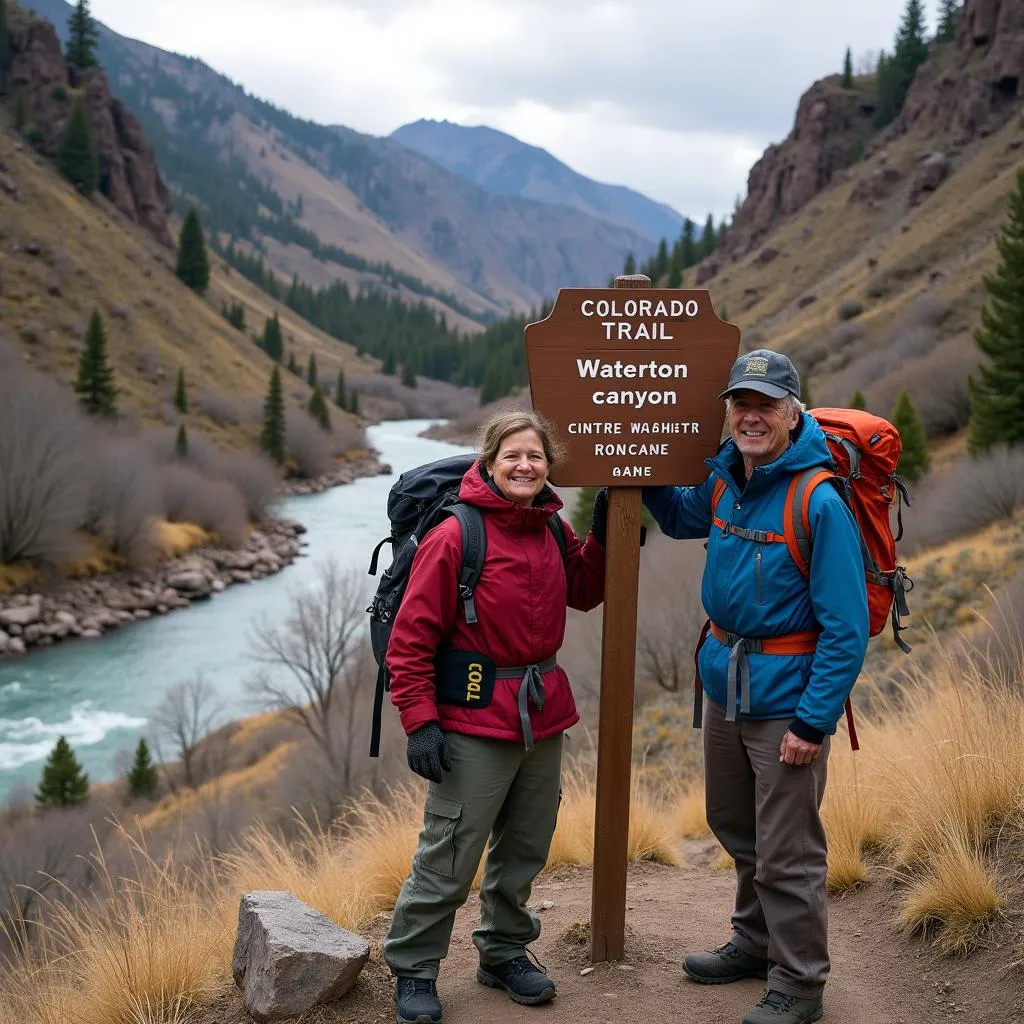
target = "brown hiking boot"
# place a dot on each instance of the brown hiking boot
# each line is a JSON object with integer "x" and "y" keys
{"x": 723, "y": 965}
{"x": 779, "y": 1008}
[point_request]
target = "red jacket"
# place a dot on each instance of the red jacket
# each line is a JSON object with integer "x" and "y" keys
{"x": 520, "y": 604}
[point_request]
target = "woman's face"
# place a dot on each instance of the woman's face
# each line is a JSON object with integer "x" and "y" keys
{"x": 521, "y": 467}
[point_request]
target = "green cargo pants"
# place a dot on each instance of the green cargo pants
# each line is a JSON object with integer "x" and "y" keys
{"x": 495, "y": 789}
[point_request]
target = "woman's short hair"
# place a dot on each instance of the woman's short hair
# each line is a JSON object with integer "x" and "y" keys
{"x": 501, "y": 424}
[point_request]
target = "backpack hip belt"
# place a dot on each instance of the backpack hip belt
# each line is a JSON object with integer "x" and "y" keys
{"x": 738, "y": 677}
{"x": 530, "y": 689}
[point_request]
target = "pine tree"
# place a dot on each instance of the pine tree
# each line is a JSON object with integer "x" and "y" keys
{"x": 661, "y": 260}
{"x": 293, "y": 365}
{"x": 388, "y": 366}
{"x": 180, "y": 394}
{"x": 689, "y": 252}
{"x": 630, "y": 265}
{"x": 409, "y": 370}
{"x": 272, "y": 437}
{"x": 949, "y": 20}
{"x": 143, "y": 778}
{"x": 675, "y": 268}
{"x": 914, "y": 459}
{"x": 318, "y": 409}
{"x": 708, "y": 239}
{"x": 20, "y": 112}
{"x": 83, "y": 37}
{"x": 76, "y": 158}
{"x": 896, "y": 74}
{"x": 95, "y": 384}
{"x": 181, "y": 442}
{"x": 273, "y": 342}
{"x": 353, "y": 402}
{"x": 805, "y": 390}
{"x": 311, "y": 371}
{"x": 848, "y": 70}
{"x": 997, "y": 396}
{"x": 857, "y": 400}
{"x": 340, "y": 397}
{"x": 193, "y": 263}
{"x": 5, "y": 45}
{"x": 64, "y": 782}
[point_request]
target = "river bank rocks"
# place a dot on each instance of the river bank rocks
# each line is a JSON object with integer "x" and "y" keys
{"x": 345, "y": 473}
{"x": 88, "y": 608}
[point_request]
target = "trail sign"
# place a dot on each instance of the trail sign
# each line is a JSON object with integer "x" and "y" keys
{"x": 630, "y": 383}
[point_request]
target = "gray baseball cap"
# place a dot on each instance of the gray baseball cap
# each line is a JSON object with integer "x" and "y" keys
{"x": 770, "y": 373}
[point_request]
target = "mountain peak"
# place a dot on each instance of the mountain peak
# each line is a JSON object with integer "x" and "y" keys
{"x": 505, "y": 165}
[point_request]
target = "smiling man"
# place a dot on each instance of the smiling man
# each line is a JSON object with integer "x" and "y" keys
{"x": 777, "y": 660}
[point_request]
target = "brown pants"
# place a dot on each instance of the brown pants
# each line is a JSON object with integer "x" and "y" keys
{"x": 766, "y": 815}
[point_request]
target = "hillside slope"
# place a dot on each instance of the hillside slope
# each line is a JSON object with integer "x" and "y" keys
{"x": 385, "y": 210}
{"x": 502, "y": 164}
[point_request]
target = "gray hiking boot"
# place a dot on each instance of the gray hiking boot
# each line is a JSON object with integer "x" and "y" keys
{"x": 725, "y": 964}
{"x": 779, "y": 1008}
{"x": 416, "y": 1001}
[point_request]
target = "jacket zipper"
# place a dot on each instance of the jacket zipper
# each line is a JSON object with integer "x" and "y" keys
{"x": 757, "y": 575}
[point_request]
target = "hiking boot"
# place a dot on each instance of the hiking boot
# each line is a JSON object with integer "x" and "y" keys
{"x": 779, "y": 1008}
{"x": 523, "y": 982}
{"x": 416, "y": 1000}
{"x": 725, "y": 964}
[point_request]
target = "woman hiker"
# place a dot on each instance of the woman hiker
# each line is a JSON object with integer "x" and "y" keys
{"x": 493, "y": 759}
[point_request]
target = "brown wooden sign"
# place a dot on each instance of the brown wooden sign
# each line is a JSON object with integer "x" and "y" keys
{"x": 630, "y": 380}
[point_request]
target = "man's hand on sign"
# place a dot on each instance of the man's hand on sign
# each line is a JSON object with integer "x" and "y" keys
{"x": 796, "y": 751}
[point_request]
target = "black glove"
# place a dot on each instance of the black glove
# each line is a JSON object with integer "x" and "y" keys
{"x": 599, "y": 519}
{"x": 428, "y": 753}
{"x": 599, "y": 516}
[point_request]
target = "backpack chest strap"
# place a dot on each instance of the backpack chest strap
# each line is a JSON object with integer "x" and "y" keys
{"x": 757, "y": 536}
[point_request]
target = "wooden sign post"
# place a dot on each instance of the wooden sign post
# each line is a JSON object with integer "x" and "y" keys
{"x": 630, "y": 381}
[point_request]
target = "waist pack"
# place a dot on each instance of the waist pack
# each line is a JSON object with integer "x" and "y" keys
{"x": 865, "y": 451}
{"x": 419, "y": 500}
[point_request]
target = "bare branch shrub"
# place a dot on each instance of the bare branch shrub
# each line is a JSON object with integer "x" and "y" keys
{"x": 221, "y": 408}
{"x": 347, "y": 436}
{"x": 185, "y": 718}
{"x": 215, "y": 505}
{"x": 43, "y": 489}
{"x": 846, "y": 334}
{"x": 965, "y": 497}
{"x": 306, "y": 444}
{"x": 937, "y": 383}
{"x": 849, "y": 309}
{"x": 316, "y": 667}
{"x": 124, "y": 496}
{"x": 670, "y": 613}
{"x": 254, "y": 477}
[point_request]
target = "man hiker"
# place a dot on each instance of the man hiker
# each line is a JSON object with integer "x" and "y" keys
{"x": 776, "y": 663}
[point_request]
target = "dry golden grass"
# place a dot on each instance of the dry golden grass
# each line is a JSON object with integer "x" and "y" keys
{"x": 14, "y": 577}
{"x": 691, "y": 817}
{"x": 172, "y": 540}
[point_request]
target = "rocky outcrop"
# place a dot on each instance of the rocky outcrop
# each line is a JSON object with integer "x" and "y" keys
{"x": 289, "y": 958}
{"x": 88, "y": 608}
{"x": 831, "y": 127}
{"x": 344, "y": 473}
{"x": 129, "y": 176}
{"x": 971, "y": 88}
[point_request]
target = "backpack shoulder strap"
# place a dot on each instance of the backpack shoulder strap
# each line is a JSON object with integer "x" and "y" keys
{"x": 555, "y": 526}
{"x": 474, "y": 551}
{"x": 716, "y": 493}
{"x": 796, "y": 520}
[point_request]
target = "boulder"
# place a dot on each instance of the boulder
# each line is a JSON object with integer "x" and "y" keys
{"x": 21, "y": 615}
{"x": 879, "y": 184}
{"x": 289, "y": 958}
{"x": 767, "y": 255}
{"x": 4, "y": 641}
{"x": 15, "y": 645}
{"x": 932, "y": 171}
{"x": 189, "y": 581}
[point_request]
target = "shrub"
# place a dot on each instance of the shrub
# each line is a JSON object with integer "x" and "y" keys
{"x": 221, "y": 408}
{"x": 216, "y": 506}
{"x": 347, "y": 436}
{"x": 43, "y": 486}
{"x": 965, "y": 497}
{"x": 846, "y": 334}
{"x": 254, "y": 477}
{"x": 124, "y": 496}
{"x": 306, "y": 445}
{"x": 850, "y": 309}
{"x": 879, "y": 286}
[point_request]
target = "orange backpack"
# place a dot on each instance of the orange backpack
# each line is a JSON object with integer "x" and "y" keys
{"x": 865, "y": 449}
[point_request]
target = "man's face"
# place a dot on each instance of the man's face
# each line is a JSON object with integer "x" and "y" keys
{"x": 760, "y": 425}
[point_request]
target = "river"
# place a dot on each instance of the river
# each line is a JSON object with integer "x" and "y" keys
{"x": 100, "y": 693}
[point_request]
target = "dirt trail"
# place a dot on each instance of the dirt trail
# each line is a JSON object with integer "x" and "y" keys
{"x": 877, "y": 978}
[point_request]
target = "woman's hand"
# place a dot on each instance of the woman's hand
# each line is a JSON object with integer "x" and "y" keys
{"x": 428, "y": 753}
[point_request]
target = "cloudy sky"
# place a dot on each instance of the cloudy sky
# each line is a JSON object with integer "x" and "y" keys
{"x": 676, "y": 98}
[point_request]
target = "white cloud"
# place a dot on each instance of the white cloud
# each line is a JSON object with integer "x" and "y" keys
{"x": 676, "y": 98}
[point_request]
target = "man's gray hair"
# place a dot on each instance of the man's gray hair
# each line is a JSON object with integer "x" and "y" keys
{"x": 791, "y": 401}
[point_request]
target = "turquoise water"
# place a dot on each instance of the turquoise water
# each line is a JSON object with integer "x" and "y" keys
{"x": 100, "y": 693}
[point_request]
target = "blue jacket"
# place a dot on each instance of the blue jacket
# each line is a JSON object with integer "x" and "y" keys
{"x": 767, "y": 596}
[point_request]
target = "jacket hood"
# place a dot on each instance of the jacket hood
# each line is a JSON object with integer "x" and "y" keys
{"x": 478, "y": 489}
{"x": 808, "y": 448}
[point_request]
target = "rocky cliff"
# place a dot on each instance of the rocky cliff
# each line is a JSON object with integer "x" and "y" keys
{"x": 38, "y": 81}
{"x": 964, "y": 91}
